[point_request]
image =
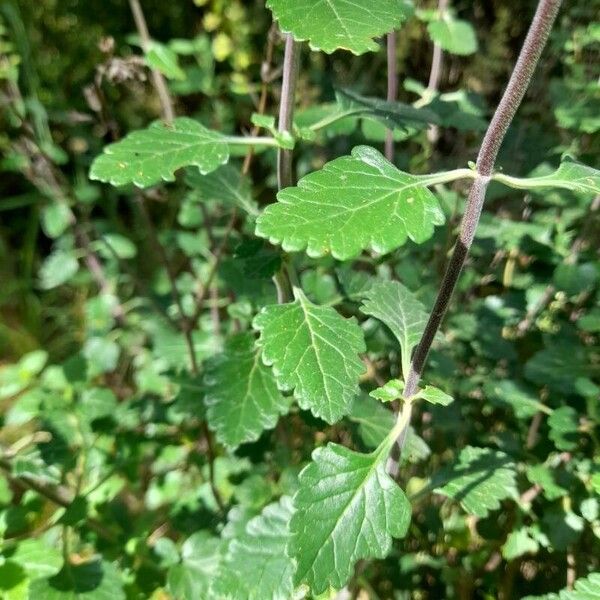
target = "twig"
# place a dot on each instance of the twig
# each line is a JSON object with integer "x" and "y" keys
{"x": 437, "y": 61}
{"x": 529, "y": 56}
{"x": 158, "y": 80}
{"x": 392, "y": 89}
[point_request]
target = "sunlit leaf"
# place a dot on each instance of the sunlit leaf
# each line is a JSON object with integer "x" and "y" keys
{"x": 353, "y": 203}
{"x": 314, "y": 351}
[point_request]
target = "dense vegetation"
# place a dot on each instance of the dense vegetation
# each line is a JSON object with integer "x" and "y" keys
{"x": 256, "y": 340}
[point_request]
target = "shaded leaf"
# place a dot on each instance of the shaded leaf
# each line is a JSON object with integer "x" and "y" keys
{"x": 374, "y": 420}
{"x": 241, "y": 393}
{"x": 453, "y": 35}
{"x": 479, "y": 480}
{"x": 397, "y": 307}
{"x": 563, "y": 423}
{"x": 256, "y": 566}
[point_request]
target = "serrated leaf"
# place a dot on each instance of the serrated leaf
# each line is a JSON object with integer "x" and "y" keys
{"x": 543, "y": 476}
{"x": 329, "y": 25}
{"x": 347, "y": 508}
{"x": 519, "y": 398}
{"x": 570, "y": 175}
{"x": 586, "y": 588}
{"x": 226, "y": 185}
{"x": 314, "y": 351}
{"x": 201, "y": 556}
{"x": 563, "y": 423}
{"x": 397, "y": 307}
{"x": 479, "y": 480}
{"x": 453, "y": 35}
{"x": 147, "y": 156}
{"x": 390, "y": 391}
{"x": 434, "y": 395}
{"x": 256, "y": 566}
{"x": 353, "y": 203}
{"x": 95, "y": 580}
{"x": 241, "y": 393}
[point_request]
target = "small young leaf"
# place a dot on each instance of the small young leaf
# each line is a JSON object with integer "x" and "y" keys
{"x": 57, "y": 269}
{"x": 347, "y": 508}
{"x": 145, "y": 157}
{"x": 353, "y": 203}
{"x": 434, "y": 396}
{"x": 396, "y": 306}
{"x": 332, "y": 24}
{"x": 480, "y": 479}
{"x": 241, "y": 393}
{"x": 256, "y": 566}
{"x": 453, "y": 35}
{"x": 163, "y": 59}
{"x": 390, "y": 391}
{"x": 518, "y": 543}
{"x": 313, "y": 350}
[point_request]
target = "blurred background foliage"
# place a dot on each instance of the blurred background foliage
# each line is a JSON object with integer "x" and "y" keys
{"x": 94, "y": 388}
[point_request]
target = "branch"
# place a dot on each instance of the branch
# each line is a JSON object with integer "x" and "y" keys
{"x": 158, "y": 80}
{"x": 392, "y": 89}
{"x": 529, "y": 56}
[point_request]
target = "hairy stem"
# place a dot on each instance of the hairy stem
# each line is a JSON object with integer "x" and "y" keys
{"x": 291, "y": 62}
{"x": 392, "y": 89}
{"x": 158, "y": 80}
{"x": 529, "y": 56}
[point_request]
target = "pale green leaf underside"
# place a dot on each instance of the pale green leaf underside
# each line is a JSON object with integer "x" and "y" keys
{"x": 329, "y": 25}
{"x": 397, "y": 307}
{"x": 241, "y": 393}
{"x": 314, "y": 351}
{"x": 256, "y": 566}
{"x": 570, "y": 175}
{"x": 453, "y": 35}
{"x": 147, "y": 156}
{"x": 434, "y": 395}
{"x": 586, "y": 588}
{"x": 353, "y": 203}
{"x": 347, "y": 509}
{"x": 480, "y": 479}
{"x": 226, "y": 185}
{"x": 391, "y": 390}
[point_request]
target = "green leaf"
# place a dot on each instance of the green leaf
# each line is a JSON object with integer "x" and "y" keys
{"x": 570, "y": 175}
{"x": 314, "y": 351}
{"x": 397, "y": 307}
{"x": 586, "y": 588}
{"x": 347, "y": 509}
{"x": 479, "y": 480}
{"x": 331, "y": 24}
{"x": 544, "y": 477}
{"x": 57, "y": 269}
{"x": 391, "y": 114}
{"x": 95, "y": 580}
{"x": 146, "y": 156}
{"x": 241, "y": 393}
{"x": 201, "y": 556}
{"x": 37, "y": 558}
{"x": 256, "y": 566}
{"x": 390, "y": 391}
{"x": 574, "y": 279}
{"x": 374, "y": 420}
{"x": 518, "y": 543}
{"x": 434, "y": 395}
{"x": 563, "y": 423}
{"x": 520, "y": 399}
{"x": 354, "y": 203}
{"x": 226, "y": 185}
{"x": 453, "y": 35}
{"x": 55, "y": 218}
{"x": 163, "y": 59}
